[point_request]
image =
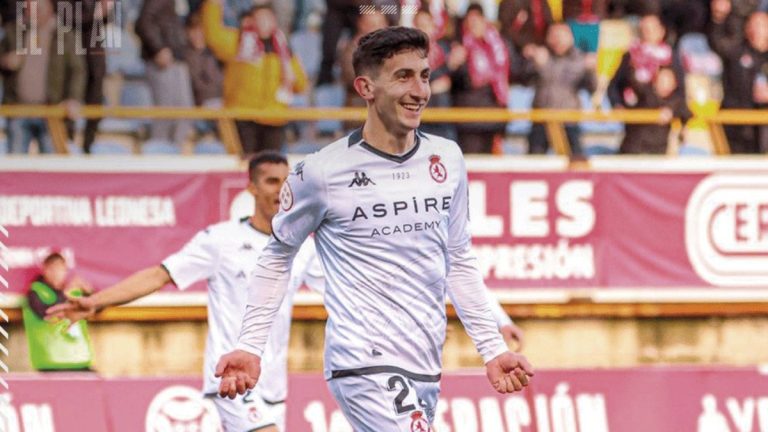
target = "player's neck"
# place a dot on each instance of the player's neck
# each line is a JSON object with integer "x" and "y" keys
{"x": 261, "y": 225}
{"x": 379, "y": 137}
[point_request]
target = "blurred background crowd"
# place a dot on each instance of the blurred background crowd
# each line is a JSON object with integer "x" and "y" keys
{"x": 683, "y": 57}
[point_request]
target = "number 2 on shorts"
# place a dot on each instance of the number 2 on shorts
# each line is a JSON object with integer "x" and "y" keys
{"x": 400, "y": 398}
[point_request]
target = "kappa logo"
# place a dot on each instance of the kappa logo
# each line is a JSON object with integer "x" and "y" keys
{"x": 246, "y": 246}
{"x": 299, "y": 170}
{"x": 361, "y": 180}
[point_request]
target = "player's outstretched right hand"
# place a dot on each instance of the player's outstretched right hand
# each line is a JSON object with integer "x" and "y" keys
{"x": 74, "y": 309}
{"x": 239, "y": 371}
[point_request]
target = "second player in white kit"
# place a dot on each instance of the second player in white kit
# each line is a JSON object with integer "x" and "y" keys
{"x": 389, "y": 209}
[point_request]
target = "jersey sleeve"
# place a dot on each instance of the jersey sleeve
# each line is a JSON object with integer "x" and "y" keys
{"x": 196, "y": 261}
{"x": 302, "y": 204}
{"x": 499, "y": 315}
{"x": 466, "y": 288}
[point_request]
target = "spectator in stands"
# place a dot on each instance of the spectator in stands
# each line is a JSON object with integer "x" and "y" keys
{"x": 660, "y": 94}
{"x": 54, "y": 75}
{"x": 640, "y": 64}
{"x": 342, "y": 15}
{"x": 366, "y": 23}
{"x": 742, "y": 63}
{"x": 560, "y": 70}
{"x": 683, "y": 16}
{"x": 96, "y": 15}
{"x": 480, "y": 79}
{"x": 260, "y": 70}
{"x": 585, "y": 10}
{"x": 525, "y": 22}
{"x": 440, "y": 77}
{"x": 163, "y": 41}
{"x": 204, "y": 69}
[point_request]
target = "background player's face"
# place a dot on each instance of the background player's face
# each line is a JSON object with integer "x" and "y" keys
{"x": 266, "y": 188}
{"x": 401, "y": 91}
{"x": 55, "y": 273}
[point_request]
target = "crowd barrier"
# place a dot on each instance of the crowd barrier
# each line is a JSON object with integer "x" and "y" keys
{"x": 711, "y": 119}
{"x": 662, "y": 399}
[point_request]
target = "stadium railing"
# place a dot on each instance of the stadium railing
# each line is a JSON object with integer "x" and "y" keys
{"x": 554, "y": 120}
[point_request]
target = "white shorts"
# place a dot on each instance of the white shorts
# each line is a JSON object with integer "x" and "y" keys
{"x": 244, "y": 413}
{"x": 390, "y": 402}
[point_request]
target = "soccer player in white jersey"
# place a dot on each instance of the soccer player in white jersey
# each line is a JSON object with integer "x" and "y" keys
{"x": 388, "y": 206}
{"x": 225, "y": 255}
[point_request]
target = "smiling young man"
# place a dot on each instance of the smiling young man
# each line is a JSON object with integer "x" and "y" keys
{"x": 225, "y": 254}
{"x": 388, "y": 206}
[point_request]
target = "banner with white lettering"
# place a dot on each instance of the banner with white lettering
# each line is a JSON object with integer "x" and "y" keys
{"x": 664, "y": 399}
{"x": 565, "y": 230}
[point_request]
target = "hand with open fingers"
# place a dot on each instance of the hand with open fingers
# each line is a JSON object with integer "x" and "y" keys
{"x": 509, "y": 372}
{"x": 74, "y": 309}
{"x": 239, "y": 371}
{"x": 513, "y": 333}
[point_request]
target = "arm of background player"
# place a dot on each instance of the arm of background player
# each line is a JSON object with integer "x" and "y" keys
{"x": 197, "y": 260}
{"x": 139, "y": 284}
{"x": 507, "y": 327}
{"x": 465, "y": 283}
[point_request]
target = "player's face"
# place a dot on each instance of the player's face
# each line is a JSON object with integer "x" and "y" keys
{"x": 55, "y": 273}
{"x": 266, "y": 188}
{"x": 402, "y": 91}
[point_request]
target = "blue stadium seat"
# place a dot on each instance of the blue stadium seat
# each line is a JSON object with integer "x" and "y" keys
{"x": 210, "y": 147}
{"x": 329, "y": 96}
{"x": 4, "y": 146}
{"x": 127, "y": 59}
{"x": 107, "y": 147}
{"x": 158, "y": 146}
{"x": 307, "y": 45}
{"x": 598, "y": 127}
{"x": 136, "y": 93}
{"x": 688, "y": 150}
{"x": 304, "y": 147}
{"x": 520, "y": 99}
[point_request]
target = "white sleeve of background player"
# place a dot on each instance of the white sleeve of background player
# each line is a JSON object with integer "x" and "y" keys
{"x": 501, "y": 317}
{"x": 302, "y": 208}
{"x": 465, "y": 283}
{"x": 196, "y": 261}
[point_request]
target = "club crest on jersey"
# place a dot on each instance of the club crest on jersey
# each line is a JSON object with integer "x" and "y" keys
{"x": 436, "y": 169}
{"x": 286, "y": 197}
{"x": 419, "y": 423}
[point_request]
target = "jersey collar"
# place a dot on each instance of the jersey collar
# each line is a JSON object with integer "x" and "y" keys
{"x": 356, "y": 138}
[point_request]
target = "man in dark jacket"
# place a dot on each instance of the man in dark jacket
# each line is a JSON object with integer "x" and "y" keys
{"x": 742, "y": 62}
{"x": 46, "y": 72}
{"x": 164, "y": 41}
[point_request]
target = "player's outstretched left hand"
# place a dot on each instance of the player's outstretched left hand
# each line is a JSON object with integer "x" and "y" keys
{"x": 509, "y": 372}
{"x": 239, "y": 371}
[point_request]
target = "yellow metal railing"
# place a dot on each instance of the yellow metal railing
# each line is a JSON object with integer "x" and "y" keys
{"x": 554, "y": 120}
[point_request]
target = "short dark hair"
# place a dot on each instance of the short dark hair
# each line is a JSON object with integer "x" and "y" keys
{"x": 261, "y": 158}
{"x": 379, "y": 45}
{"x": 477, "y": 7}
{"x": 53, "y": 257}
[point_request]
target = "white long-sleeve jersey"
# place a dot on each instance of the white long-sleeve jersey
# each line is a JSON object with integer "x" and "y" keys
{"x": 225, "y": 255}
{"x": 392, "y": 233}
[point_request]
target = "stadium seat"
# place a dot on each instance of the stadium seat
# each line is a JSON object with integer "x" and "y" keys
{"x": 520, "y": 99}
{"x": 158, "y": 146}
{"x": 329, "y": 96}
{"x": 304, "y": 147}
{"x": 306, "y": 44}
{"x": 210, "y": 147}
{"x": 589, "y": 127}
{"x": 4, "y": 146}
{"x": 107, "y": 147}
{"x": 697, "y": 57}
{"x": 127, "y": 59}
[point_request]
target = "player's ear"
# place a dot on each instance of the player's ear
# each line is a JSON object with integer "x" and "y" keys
{"x": 251, "y": 188}
{"x": 364, "y": 87}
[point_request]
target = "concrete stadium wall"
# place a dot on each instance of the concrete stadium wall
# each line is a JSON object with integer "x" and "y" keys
{"x": 176, "y": 348}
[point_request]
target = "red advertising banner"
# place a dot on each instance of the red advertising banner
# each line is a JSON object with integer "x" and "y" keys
{"x": 551, "y": 229}
{"x": 617, "y": 400}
